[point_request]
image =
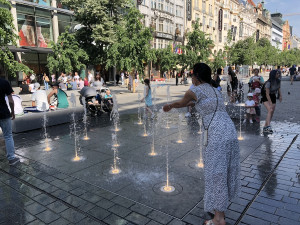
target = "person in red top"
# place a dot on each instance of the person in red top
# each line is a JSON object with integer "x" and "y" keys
{"x": 27, "y": 34}
{"x": 86, "y": 82}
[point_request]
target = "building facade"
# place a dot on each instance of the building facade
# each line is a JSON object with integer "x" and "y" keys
{"x": 286, "y": 30}
{"x": 277, "y": 33}
{"x": 247, "y": 19}
{"x": 167, "y": 20}
{"x": 263, "y": 22}
{"x": 295, "y": 42}
{"x": 37, "y": 23}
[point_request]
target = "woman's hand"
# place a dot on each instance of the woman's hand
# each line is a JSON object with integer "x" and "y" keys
{"x": 191, "y": 103}
{"x": 167, "y": 108}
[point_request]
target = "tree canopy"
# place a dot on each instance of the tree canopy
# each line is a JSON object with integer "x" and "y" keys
{"x": 197, "y": 49}
{"x": 98, "y": 19}
{"x": 67, "y": 55}
{"x": 8, "y": 37}
{"x": 166, "y": 58}
{"x": 132, "y": 49}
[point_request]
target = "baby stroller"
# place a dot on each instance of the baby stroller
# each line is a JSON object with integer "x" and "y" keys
{"x": 106, "y": 99}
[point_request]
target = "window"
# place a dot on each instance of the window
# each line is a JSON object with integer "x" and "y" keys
{"x": 35, "y": 30}
{"x": 225, "y": 14}
{"x": 161, "y": 26}
{"x": 161, "y": 4}
{"x": 225, "y": 26}
{"x": 203, "y": 5}
{"x": 63, "y": 22}
{"x": 234, "y": 19}
{"x": 210, "y": 9}
{"x": 153, "y": 4}
{"x": 210, "y": 22}
{"x": 197, "y": 16}
{"x": 154, "y": 43}
{"x": 171, "y": 8}
{"x": 178, "y": 11}
{"x": 197, "y": 4}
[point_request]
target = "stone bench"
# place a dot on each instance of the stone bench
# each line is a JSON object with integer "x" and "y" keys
{"x": 33, "y": 121}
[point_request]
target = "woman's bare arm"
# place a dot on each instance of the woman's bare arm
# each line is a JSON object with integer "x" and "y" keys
{"x": 188, "y": 97}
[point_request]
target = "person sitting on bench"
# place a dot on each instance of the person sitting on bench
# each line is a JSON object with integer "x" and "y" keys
{"x": 39, "y": 100}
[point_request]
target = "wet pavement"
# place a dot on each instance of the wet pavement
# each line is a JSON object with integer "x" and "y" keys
{"x": 50, "y": 188}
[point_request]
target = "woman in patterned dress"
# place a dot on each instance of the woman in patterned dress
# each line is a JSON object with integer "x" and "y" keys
{"x": 221, "y": 154}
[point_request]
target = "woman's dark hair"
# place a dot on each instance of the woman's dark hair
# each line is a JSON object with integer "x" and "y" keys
{"x": 202, "y": 72}
{"x": 219, "y": 71}
{"x": 272, "y": 78}
{"x": 147, "y": 82}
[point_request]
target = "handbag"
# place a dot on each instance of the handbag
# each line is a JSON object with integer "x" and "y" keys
{"x": 47, "y": 79}
{"x": 206, "y": 129}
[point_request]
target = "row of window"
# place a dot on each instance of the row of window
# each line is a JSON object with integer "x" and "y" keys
{"x": 167, "y": 6}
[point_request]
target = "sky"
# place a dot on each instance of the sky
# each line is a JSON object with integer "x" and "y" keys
{"x": 285, "y": 7}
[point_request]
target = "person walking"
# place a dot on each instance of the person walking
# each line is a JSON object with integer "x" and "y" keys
{"x": 46, "y": 81}
{"x": 5, "y": 120}
{"x": 293, "y": 71}
{"x": 268, "y": 93}
{"x": 221, "y": 148}
{"x": 176, "y": 77}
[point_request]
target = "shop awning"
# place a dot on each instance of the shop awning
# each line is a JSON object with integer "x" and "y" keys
{"x": 30, "y": 49}
{"x": 38, "y": 50}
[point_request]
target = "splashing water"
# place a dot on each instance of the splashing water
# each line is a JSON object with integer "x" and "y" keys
{"x": 73, "y": 100}
{"x": 180, "y": 118}
{"x": 200, "y": 163}
{"x": 114, "y": 168}
{"x": 73, "y": 132}
{"x": 139, "y": 110}
{"x": 153, "y": 153}
{"x": 45, "y": 121}
{"x": 85, "y": 120}
{"x": 167, "y": 187}
{"x": 114, "y": 115}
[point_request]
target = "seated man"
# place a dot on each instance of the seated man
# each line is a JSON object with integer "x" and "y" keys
{"x": 39, "y": 100}
{"x": 74, "y": 84}
{"x": 60, "y": 100}
{"x": 18, "y": 108}
{"x": 24, "y": 88}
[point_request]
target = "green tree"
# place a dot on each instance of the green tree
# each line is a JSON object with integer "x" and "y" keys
{"x": 218, "y": 61}
{"x": 98, "y": 19}
{"x": 243, "y": 52}
{"x": 166, "y": 59}
{"x": 7, "y": 37}
{"x": 132, "y": 49}
{"x": 198, "y": 48}
{"x": 67, "y": 55}
{"x": 265, "y": 53}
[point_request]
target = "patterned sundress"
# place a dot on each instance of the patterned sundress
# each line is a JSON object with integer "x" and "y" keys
{"x": 221, "y": 156}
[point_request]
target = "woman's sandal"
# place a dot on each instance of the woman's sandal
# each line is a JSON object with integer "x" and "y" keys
{"x": 208, "y": 222}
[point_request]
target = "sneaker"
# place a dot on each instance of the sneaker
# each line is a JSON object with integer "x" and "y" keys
{"x": 14, "y": 161}
{"x": 268, "y": 129}
{"x": 188, "y": 114}
{"x": 251, "y": 121}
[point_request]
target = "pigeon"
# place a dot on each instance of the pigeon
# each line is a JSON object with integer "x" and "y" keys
{"x": 289, "y": 93}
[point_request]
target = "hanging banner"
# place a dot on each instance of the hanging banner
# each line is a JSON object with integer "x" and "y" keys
{"x": 220, "y": 19}
{"x": 189, "y": 10}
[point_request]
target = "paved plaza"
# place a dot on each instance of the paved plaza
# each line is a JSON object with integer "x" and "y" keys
{"x": 47, "y": 187}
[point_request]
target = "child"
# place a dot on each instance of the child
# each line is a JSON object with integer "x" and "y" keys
{"x": 108, "y": 97}
{"x": 250, "y": 110}
{"x": 256, "y": 99}
{"x": 148, "y": 97}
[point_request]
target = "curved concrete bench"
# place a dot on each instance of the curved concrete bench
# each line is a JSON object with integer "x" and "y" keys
{"x": 33, "y": 121}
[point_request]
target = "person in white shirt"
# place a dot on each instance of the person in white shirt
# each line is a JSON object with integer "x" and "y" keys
{"x": 18, "y": 108}
{"x": 76, "y": 77}
{"x": 31, "y": 87}
{"x": 90, "y": 77}
{"x": 39, "y": 100}
{"x": 250, "y": 108}
{"x": 122, "y": 78}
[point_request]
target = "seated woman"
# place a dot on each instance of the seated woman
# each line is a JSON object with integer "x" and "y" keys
{"x": 61, "y": 98}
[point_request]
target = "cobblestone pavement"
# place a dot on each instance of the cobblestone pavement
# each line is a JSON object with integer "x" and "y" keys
{"x": 48, "y": 188}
